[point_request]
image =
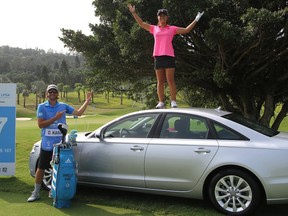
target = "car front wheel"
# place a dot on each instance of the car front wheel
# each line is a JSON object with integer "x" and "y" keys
{"x": 234, "y": 192}
{"x": 47, "y": 179}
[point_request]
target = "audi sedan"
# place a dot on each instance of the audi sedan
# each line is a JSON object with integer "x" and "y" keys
{"x": 196, "y": 153}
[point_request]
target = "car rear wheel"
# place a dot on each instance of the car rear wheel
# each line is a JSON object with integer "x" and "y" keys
{"x": 234, "y": 192}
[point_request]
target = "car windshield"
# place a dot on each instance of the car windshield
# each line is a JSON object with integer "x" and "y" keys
{"x": 252, "y": 124}
{"x": 131, "y": 127}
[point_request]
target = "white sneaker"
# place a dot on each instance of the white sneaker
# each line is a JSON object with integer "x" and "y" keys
{"x": 160, "y": 105}
{"x": 50, "y": 194}
{"x": 173, "y": 104}
{"x": 34, "y": 196}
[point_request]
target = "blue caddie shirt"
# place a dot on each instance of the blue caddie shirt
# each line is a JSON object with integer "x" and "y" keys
{"x": 51, "y": 134}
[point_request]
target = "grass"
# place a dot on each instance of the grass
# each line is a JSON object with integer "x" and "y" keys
{"x": 14, "y": 191}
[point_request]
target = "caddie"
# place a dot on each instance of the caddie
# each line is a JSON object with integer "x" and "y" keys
{"x": 49, "y": 114}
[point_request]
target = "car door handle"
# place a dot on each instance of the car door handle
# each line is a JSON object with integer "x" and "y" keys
{"x": 137, "y": 148}
{"x": 202, "y": 150}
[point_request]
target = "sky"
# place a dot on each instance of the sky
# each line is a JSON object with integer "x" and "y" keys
{"x": 36, "y": 23}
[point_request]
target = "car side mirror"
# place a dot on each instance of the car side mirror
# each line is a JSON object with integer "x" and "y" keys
{"x": 99, "y": 135}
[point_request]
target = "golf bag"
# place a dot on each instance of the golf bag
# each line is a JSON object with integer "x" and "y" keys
{"x": 64, "y": 179}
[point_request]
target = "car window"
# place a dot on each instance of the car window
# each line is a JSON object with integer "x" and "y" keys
{"x": 226, "y": 133}
{"x": 137, "y": 126}
{"x": 181, "y": 126}
{"x": 252, "y": 124}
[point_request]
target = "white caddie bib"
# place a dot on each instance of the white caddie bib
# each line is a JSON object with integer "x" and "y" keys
{"x": 53, "y": 132}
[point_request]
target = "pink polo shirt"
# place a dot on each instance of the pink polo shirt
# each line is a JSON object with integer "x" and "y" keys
{"x": 163, "y": 37}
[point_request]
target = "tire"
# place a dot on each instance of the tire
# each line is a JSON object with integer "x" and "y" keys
{"x": 234, "y": 192}
{"x": 47, "y": 179}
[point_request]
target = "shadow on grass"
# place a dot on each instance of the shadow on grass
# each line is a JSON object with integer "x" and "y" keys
{"x": 13, "y": 184}
{"x": 156, "y": 204}
{"x": 163, "y": 205}
{"x": 16, "y": 204}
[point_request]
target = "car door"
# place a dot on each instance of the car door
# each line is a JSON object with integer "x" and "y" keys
{"x": 118, "y": 158}
{"x": 177, "y": 159}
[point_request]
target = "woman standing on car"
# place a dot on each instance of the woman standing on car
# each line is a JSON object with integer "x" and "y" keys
{"x": 164, "y": 58}
{"x": 50, "y": 114}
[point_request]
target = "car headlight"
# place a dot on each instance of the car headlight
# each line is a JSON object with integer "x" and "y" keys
{"x": 34, "y": 148}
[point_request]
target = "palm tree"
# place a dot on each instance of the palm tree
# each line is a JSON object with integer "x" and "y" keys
{"x": 78, "y": 88}
{"x": 19, "y": 90}
{"x": 66, "y": 89}
{"x": 39, "y": 88}
{"x": 25, "y": 94}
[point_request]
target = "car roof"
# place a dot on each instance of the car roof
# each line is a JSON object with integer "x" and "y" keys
{"x": 208, "y": 113}
{"x": 196, "y": 111}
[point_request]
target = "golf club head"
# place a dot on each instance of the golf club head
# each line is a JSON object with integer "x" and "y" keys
{"x": 63, "y": 128}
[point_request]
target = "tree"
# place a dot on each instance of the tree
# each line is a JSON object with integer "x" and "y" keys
{"x": 20, "y": 88}
{"x": 25, "y": 94}
{"x": 76, "y": 76}
{"x": 64, "y": 72}
{"x": 60, "y": 89}
{"x": 39, "y": 88}
{"x": 77, "y": 62}
{"x": 54, "y": 76}
{"x": 45, "y": 74}
{"x": 78, "y": 88}
{"x": 4, "y": 67}
{"x": 66, "y": 89}
{"x": 22, "y": 77}
{"x": 237, "y": 54}
{"x": 56, "y": 66}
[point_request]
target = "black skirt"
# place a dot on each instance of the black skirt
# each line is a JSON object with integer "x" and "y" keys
{"x": 164, "y": 62}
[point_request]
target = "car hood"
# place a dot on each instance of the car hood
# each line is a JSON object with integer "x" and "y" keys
{"x": 282, "y": 136}
{"x": 82, "y": 136}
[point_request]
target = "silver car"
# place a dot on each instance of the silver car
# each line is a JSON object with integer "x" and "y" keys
{"x": 233, "y": 162}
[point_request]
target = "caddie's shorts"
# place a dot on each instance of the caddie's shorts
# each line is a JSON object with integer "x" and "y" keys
{"x": 164, "y": 62}
{"x": 44, "y": 159}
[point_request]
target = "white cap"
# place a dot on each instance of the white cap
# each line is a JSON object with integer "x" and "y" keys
{"x": 52, "y": 86}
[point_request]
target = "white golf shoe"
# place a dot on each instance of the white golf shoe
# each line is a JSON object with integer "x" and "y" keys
{"x": 160, "y": 105}
{"x": 34, "y": 196}
{"x": 173, "y": 104}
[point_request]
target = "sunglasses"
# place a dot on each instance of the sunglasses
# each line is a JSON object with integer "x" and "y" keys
{"x": 53, "y": 91}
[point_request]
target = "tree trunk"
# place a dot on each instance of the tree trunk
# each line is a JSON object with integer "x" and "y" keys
{"x": 268, "y": 110}
{"x": 249, "y": 110}
{"x": 281, "y": 115}
{"x": 121, "y": 98}
{"x": 108, "y": 97}
{"x": 36, "y": 101}
{"x": 18, "y": 99}
{"x": 225, "y": 101}
{"x": 79, "y": 99}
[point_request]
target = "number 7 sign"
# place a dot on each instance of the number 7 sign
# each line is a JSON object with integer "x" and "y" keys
{"x": 3, "y": 121}
{"x": 7, "y": 128}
